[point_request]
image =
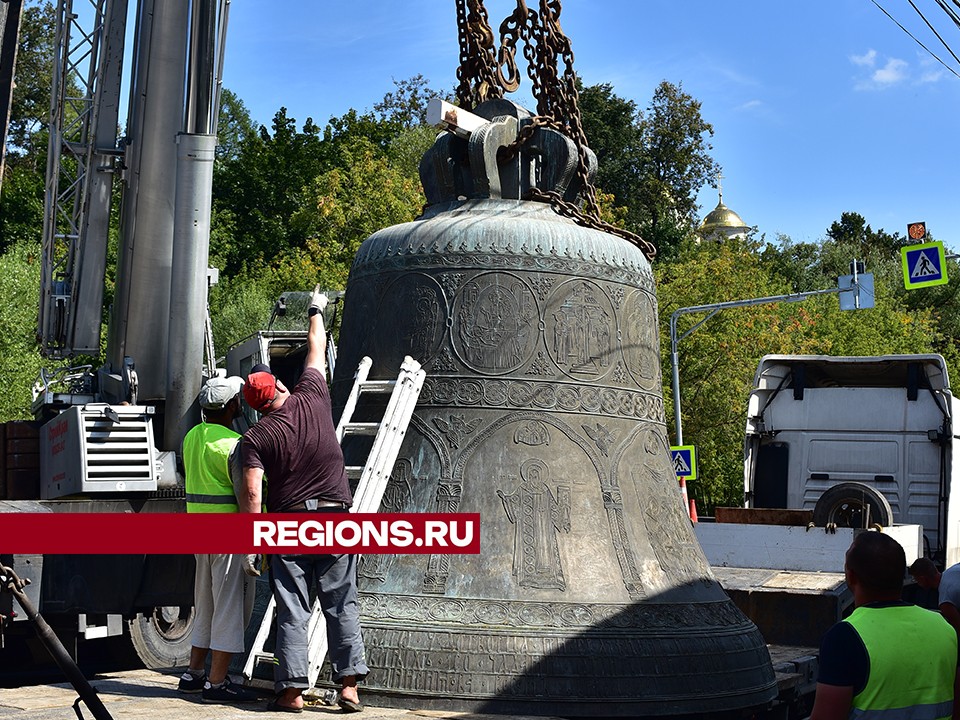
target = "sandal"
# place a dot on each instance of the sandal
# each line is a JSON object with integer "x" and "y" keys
{"x": 349, "y": 706}
{"x": 273, "y": 706}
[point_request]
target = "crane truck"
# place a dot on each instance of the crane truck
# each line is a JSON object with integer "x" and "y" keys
{"x": 105, "y": 439}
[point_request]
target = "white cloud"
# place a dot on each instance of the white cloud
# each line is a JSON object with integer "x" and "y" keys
{"x": 751, "y": 105}
{"x": 879, "y": 73}
{"x": 868, "y": 59}
{"x": 893, "y": 72}
{"x": 931, "y": 70}
{"x": 882, "y": 73}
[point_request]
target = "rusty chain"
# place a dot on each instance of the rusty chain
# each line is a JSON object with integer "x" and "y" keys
{"x": 572, "y": 211}
{"x": 485, "y": 73}
{"x": 511, "y": 30}
{"x": 477, "y": 73}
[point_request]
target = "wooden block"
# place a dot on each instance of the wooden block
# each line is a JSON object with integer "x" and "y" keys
{"x": 453, "y": 118}
{"x": 23, "y": 484}
{"x": 22, "y": 429}
{"x": 23, "y": 445}
{"x": 23, "y": 461}
{"x": 763, "y": 516}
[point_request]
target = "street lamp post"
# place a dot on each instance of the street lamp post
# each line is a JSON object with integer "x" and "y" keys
{"x": 853, "y": 285}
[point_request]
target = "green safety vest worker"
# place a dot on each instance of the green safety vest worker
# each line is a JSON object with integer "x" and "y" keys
{"x": 897, "y": 688}
{"x": 206, "y": 462}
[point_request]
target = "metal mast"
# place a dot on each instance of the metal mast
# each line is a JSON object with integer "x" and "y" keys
{"x": 84, "y": 111}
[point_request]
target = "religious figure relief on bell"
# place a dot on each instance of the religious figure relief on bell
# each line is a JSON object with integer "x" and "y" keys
{"x": 641, "y": 346}
{"x": 657, "y": 453}
{"x": 410, "y": 318}
{"x": 426, "y": 311}
{"x": 395, "y": 498}
{"x": 580, "y": 339}
{"x": 496, "y": 323}
{"x": 532, "y": 432}
{"x": 537, "y": 517}
{"x": 456, "y": 428}
{"x": 663, "y": 518}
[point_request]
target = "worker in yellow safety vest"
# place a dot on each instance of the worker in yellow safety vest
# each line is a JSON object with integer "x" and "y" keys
{"x": 223, "y": 592}
{"x": 889, "y": 659}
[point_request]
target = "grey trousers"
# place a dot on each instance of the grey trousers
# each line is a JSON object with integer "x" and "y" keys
{"x": 335, "y": 579}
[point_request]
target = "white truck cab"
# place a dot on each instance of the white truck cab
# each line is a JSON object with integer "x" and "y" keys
{"x": 834, "y": 446}
{"x": 860, "y": 441}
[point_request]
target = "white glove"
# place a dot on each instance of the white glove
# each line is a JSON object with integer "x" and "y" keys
{"x": 318, "y": 300}
{"x": 251, "y": 565}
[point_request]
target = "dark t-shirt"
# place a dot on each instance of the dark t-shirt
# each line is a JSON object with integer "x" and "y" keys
{"x": 843, "y": 658}
{"x": 297, "y": 448}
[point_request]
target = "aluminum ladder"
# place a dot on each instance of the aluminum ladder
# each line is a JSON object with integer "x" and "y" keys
{"x": 373, "y": 477}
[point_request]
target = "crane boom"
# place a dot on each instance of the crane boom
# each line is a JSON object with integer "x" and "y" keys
{"x": 81, "y": 161}
{"x": 154, "y": 349}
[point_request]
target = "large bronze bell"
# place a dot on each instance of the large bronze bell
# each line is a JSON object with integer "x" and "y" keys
{"x": 542, "y": 410}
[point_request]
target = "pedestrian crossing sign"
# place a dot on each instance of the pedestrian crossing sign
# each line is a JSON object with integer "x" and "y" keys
{"x": 923, "y": 265}
{"x": 684, "y": 459}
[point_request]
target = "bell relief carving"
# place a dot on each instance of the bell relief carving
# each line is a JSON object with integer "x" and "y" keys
{"x": 537, "y": 516}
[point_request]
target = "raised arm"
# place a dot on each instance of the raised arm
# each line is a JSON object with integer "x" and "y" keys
{"x": 317, "y": 333}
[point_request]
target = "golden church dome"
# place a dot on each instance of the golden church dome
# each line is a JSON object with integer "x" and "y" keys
{"x": 721, "y": 217}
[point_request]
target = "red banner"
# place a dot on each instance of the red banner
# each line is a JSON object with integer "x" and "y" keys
{"x": 239, "y": 533}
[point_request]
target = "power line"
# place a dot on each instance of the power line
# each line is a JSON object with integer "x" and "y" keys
{"x": 932, "y": 29}
{"x": 949, "y": 11}
{"x": 929, "y": 51}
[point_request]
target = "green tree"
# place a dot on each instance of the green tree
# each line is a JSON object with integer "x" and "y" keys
{"x": 811, "y": 266}
{"x": 345, "y": 206}
{"x": 406, "y": 150}
{"x": 675, "y": 164}
{"x": 341, "y": 208}
{"x": 406, "y": 106}
{"x": 610, "y": 125}
{"x": 260, "y": 189}
{"x": 21, "y": 202}
{"x": 241, "y": 304}
{"x": 717, "y": 362}
{"x": 21, "y": 205}
{"x": 654, "y": 161}
{"x": 233, "y": 126}
{"x": 265, "y": 179}
{"x": 797, "y": 263}
{"x": 20, "y": 360}
{"x": 33, "y": 77}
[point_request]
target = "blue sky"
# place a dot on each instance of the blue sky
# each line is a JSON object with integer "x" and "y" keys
{"x": 818, "y": 107}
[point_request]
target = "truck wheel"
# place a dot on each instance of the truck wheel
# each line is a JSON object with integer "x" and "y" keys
{"x": 162, "y": 637}
{"x": 846, "y": 505}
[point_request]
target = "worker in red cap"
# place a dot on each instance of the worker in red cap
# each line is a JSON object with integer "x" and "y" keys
{"x": 295, "y": 445}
